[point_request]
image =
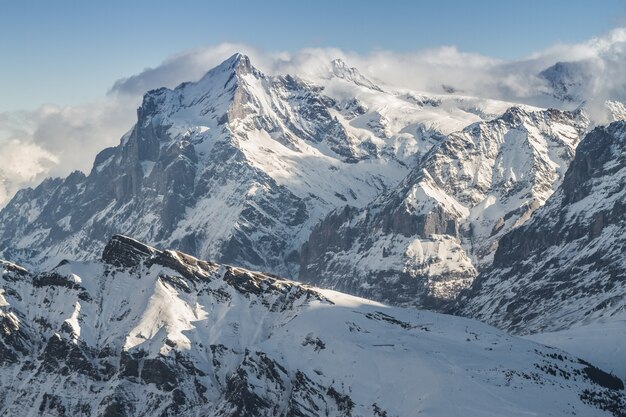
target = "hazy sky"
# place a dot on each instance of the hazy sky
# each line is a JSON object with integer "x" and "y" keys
{"x": 68, "y": 52}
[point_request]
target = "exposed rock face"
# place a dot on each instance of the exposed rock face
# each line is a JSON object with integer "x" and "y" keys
{"x": 565, "y": 266}
{"x": 424, "y": 241}
{"x": 160, "y": 333}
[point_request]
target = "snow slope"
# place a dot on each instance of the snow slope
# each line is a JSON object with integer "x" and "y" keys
{"x": 150, "y": 332}
{"x": 601, "y": 343}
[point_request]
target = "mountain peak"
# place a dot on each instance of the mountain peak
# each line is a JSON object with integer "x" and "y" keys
{"x": 514, "y": 115}
{"x": 339, "y": 64}
{"x": 238, "y": 64}
{"x": 227, "y": 76}
{"x": 340, "y": 69}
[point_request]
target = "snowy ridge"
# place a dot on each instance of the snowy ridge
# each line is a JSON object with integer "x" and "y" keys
{"x": 424, "y": 241}
{"x": 341, "y": 70}
{"x": 151, "y": 332}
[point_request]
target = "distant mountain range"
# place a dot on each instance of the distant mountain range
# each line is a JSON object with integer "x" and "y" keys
{"x": 236, "y": 167}
{"x": 423, "y": 241}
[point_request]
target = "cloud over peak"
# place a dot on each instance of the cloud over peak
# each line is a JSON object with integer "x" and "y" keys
{"x": 426, "y": 70}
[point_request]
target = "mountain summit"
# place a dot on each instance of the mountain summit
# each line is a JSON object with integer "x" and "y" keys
{"x": 341, "y": 70}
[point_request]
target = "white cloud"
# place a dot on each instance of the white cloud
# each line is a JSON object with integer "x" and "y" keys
{"x": 426, "y": 71}
{"x": 22, "y": 165}
{"x": 56, "y": 140}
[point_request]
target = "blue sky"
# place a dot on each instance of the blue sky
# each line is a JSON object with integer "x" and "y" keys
{"x": 69, "y": 52}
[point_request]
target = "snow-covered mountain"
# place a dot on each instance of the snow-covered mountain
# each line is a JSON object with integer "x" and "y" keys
{"x": 566, "y": 266}
{"x": 568, "y": 81}
{"x": 237, "y": 167}
{"x": 423, "y": 241}
{"x": 160, "y": 333}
